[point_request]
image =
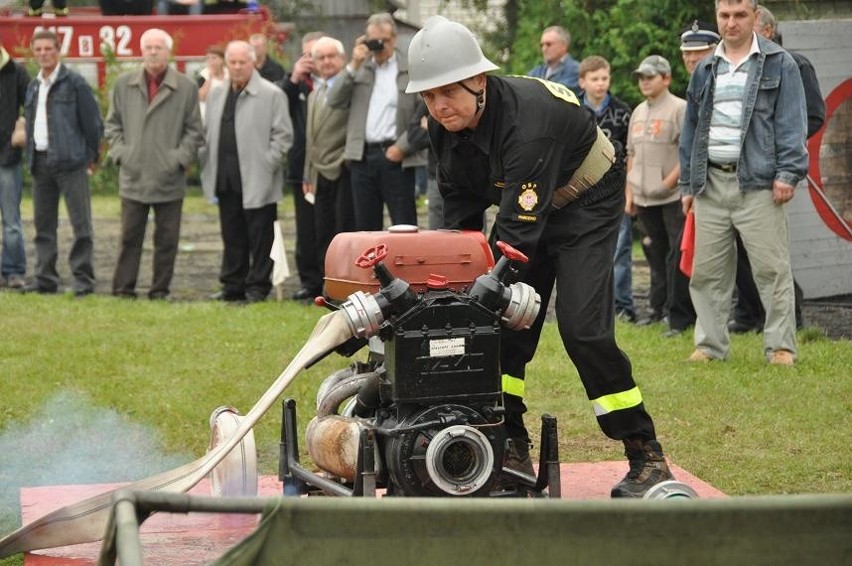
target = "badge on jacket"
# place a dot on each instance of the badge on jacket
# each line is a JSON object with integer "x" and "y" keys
{"x": 528, "y": 197}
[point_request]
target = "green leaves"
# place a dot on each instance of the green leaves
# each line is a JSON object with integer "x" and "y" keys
{"x": 622, "y": 31}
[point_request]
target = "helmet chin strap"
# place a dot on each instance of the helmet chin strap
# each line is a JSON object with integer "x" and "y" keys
{"x": 479, "y": 94}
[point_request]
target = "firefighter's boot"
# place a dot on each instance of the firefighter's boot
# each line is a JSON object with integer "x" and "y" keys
{"x": 648, "y": 467}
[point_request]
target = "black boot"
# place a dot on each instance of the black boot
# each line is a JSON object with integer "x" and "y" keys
{"x": 648, "y": 467}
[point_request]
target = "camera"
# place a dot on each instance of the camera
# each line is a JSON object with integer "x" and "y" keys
{"x": 375, "y": 44}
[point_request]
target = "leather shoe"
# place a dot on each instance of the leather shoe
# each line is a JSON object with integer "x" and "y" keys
{"x": 80, "y": 293}
{"x": 699, "y": 356}
{"x": 304, "y": 294}
{"x": 673, "y": 332}
{"x": 124, "y": 294}
{"x": 626, "y": 316}
{"x": 227, "y": 297}
{"x": 738, "y": 327}
{"x": 16, "y": 282}
{"x": 255, "y": 298}
{"x": 34, "y": 288}
{"x": 782, "y": 358}
{"x": 653, "y": 317}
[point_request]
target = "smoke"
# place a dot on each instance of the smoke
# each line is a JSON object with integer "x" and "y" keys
{"x": 71, "y": 442}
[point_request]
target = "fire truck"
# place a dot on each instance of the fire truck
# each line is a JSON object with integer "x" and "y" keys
{"x": 89, "y": 39}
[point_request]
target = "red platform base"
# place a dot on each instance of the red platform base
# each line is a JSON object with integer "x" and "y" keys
{"x": 200, "y": 538}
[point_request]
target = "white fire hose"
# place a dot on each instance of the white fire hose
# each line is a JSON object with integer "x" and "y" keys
{"x": 236, "y": 474}
{"x": 86, "y": 520}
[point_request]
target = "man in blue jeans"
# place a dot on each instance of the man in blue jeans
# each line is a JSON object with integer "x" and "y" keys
{"x": 13, "y": 88}
{"x": 64, "y": 130}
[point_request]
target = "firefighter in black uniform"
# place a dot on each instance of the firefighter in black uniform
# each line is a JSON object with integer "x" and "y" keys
{"x": 529, "y": 147}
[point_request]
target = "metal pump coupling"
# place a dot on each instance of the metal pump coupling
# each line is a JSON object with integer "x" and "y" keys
{"x": 522, "y": 309}
{"x": 363, "y": 314}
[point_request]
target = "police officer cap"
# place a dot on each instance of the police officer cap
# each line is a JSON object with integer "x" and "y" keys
{"x": 698, "y": 35}
{"x": 653, "y": 65}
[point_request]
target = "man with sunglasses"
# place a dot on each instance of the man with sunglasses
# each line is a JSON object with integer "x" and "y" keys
{"x": 558, "y": 65}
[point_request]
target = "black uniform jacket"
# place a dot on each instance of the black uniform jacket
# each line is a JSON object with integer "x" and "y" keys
{"x": 531, "y": 137}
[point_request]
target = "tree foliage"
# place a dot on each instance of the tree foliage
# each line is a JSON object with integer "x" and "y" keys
{"x": 622, "y": 31}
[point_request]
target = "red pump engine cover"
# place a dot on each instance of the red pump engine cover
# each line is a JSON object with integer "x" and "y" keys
{"x": 412, "y": 255}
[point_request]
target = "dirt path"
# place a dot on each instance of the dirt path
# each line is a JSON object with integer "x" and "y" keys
{"x": 197, "y": 267}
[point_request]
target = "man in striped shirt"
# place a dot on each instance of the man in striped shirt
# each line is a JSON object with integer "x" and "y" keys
{"x": 742, "y": 152}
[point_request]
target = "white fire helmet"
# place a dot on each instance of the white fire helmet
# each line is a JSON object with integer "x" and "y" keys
{"x": 442, "y": 53}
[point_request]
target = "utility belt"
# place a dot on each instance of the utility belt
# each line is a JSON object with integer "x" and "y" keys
{"x": 598, "y": 161}
{"x": 379, "y": 145}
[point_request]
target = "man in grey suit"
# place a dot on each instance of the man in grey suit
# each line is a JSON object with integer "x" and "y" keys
{"x": 248, "y": 133}
{"x": 154, "y": 130}
{"x": 380, "y": 158}
{"x": 326, "y": 177}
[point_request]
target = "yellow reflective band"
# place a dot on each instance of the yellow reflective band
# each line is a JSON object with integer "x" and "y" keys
{"x": 613, "y": 401}
{"x": 513, "y": 385}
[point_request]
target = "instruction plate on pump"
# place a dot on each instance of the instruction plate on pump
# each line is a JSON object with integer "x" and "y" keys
{"x": 446, "y": 347}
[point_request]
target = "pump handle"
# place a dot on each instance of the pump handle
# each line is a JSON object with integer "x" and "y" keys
{"x": 512, "y": 253}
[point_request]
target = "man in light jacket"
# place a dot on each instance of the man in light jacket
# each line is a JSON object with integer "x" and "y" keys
{"x": 378, "y": 153}
{"x": 248, "y": 133}
{"x": 154, "y": 130}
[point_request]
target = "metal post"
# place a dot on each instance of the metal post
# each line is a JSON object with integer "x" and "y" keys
{"x": 551, "y": 460}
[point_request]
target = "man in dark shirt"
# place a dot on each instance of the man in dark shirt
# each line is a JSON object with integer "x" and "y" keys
{"x": 13, "y": 89}
{"x": 297, "y": 86}
{"x": 529, "y": 147}
{"x": 248, "y": 132}
{"x": 268, "y": 68}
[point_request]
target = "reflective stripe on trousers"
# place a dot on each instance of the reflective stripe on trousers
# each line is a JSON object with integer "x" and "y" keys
{"x": 513, "y": 385}
{"x": 617, "y": 401}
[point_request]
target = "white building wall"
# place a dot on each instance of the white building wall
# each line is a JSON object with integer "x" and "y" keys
{"x": 822, "y": 260}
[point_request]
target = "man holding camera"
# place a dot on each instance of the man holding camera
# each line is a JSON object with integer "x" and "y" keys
{"x": 380, "y": 158}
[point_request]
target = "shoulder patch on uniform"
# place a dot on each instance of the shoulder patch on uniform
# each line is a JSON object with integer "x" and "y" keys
{"x": 528, "y": 197}
{"x": 526, "y": 218}
{"x": 556, "y": 89}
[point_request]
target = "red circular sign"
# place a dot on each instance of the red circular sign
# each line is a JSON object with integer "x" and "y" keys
{"x": 840, "y": 97}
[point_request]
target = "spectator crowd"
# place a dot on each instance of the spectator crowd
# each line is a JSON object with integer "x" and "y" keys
{"x": 343, "y": 136}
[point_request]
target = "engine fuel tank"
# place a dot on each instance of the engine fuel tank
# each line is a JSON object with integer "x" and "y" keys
{"x": 457, "y": 257}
